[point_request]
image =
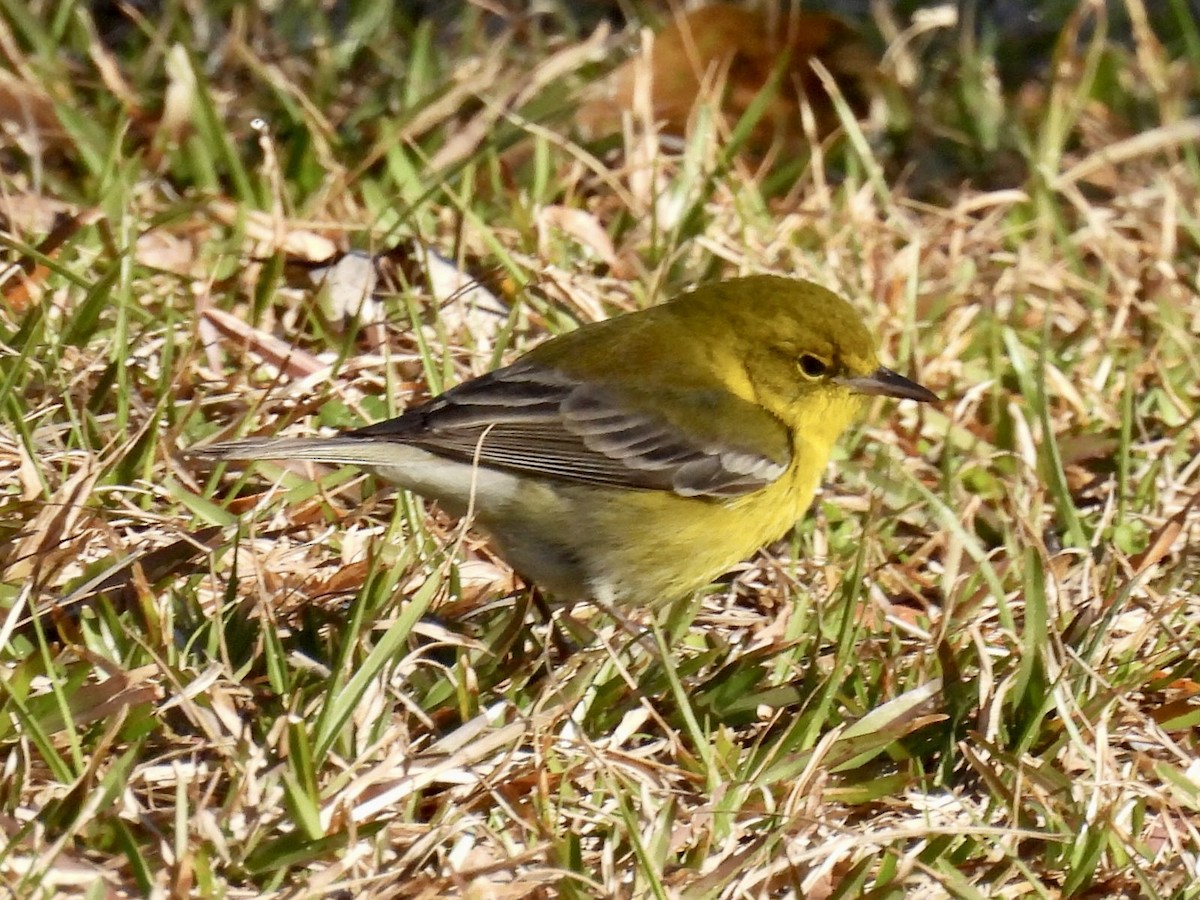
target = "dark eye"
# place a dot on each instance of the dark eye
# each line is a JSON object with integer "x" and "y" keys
{"x": 813, "y": 366}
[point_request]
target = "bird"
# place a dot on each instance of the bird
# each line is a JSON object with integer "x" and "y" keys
{"x": 633, "y": 460}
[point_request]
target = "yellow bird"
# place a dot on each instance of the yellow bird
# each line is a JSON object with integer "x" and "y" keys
{"x": 631, "y": 461}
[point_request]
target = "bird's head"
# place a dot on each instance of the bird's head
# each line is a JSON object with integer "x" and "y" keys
{"x": 808, "y": 355}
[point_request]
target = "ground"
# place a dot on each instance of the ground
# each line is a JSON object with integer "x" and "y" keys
{"x": 969, "y": 672}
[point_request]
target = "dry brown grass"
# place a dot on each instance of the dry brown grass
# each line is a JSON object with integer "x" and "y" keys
{"x": 970, "y": 672}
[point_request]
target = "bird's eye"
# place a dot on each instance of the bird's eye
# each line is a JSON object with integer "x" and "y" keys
{"x": 813, "y": 366}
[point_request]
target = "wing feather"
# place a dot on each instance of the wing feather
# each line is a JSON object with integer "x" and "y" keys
{"x": 528, "y": 418}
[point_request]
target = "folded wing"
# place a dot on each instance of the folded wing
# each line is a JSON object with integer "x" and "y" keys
{"x": 531, "y": 419}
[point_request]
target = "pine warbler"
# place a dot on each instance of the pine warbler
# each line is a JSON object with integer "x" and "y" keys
{"x": 631, "y": 461}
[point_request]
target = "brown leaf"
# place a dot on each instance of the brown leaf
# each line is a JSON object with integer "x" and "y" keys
{"x": 732, "y": 54}
{"x": 45, "y": 536}
{"x": 159, "y": 249}
{"x": 292, "y": 360}
{"x": 275, "y": 233}
{"x": 1164, "y": 539}
{"x": 346, "y": 579}
{"x": 28, "y": 111}
{"x": 1162, "y": 544}
{"x": 586, "y": 229}
{"x": 22, "y": 291}
{"x": 121, "y": 580}
{"x": 466, "y": 139}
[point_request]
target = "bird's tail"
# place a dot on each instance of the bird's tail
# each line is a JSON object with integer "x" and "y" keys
{"x": 340, "y": 449}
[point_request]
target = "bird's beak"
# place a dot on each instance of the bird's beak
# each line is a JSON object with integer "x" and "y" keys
{"x": 887, "y": 383}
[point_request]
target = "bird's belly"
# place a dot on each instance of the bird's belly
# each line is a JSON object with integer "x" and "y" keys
{"x": 641, "y": 548}
{"x": 670, "y": 556}
{"x": 627, "y": 547}
{"x": 532, "y": 524}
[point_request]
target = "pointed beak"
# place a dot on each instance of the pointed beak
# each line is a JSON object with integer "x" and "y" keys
{"x": 887, "y": 383}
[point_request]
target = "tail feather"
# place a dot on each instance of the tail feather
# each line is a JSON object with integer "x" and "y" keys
{"x": 338, "y": 450}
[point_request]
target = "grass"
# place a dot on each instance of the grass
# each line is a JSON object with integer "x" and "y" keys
{"x": 969, "y": 672}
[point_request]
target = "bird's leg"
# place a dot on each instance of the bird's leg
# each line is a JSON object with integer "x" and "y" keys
{"x": 638, "y": 634}
{"x": 566, "y": 633}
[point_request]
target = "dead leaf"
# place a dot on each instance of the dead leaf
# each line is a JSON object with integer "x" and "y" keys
{"x": 178, "y": 99}
{"x": 166, "y": 252}
{"x": 731, "y": 54}
{"x": 21, "y": 282}
{"x": 346, "y": 288}
{"x": 345, "y": 580}
{"x": 29, "y": 213}
{"x": 291, "y": 360}
{"x": 466, "y": 139}
{"x": 45, "y": 537}
{"x": 1164, "y": 539}
{"x": 586, "y": 229}
{"x": 120, "y": 581}
{"x": 1161, "y": 545}
{"x": 27, "y": 116}
{"x": 275, "y": 234}
{"x": 463, "y": 303}
{"x": 28, "y": 476}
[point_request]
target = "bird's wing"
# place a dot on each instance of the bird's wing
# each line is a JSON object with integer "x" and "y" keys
{"x": 533, "y": 419}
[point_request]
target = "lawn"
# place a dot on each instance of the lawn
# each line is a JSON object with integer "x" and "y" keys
{"x": 970, "y": 671}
